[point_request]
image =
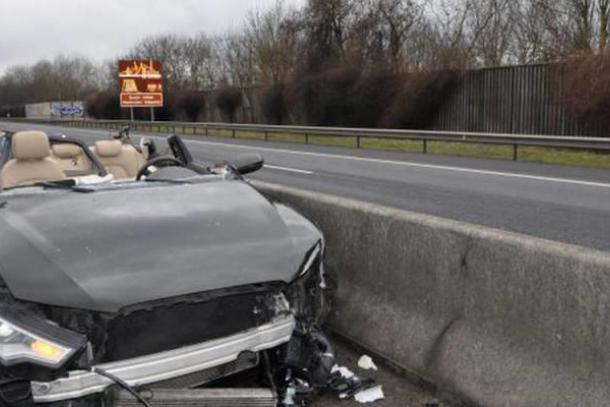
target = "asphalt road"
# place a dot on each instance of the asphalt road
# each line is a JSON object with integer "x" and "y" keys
{"x": 565, "y": 204}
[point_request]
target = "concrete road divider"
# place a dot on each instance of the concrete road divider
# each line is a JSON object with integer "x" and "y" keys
{"x": 498, "y": 318}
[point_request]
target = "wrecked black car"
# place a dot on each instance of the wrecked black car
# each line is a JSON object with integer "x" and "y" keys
{"x": 128, "y": 276}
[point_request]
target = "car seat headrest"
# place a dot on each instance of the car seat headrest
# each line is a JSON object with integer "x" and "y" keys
{"x": 66, "y": 150}
{"x": 108, "y": 148}
{"x": 30, "y": 145}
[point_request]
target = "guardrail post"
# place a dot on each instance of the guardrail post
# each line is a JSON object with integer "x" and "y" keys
{"x": 358, "y": 145}
{"x": 306, "y": 138}
{"x": 425, "y": 146}
{"x": 233, "y": 133}
{"x": 266, "y": 135}
{"x": 207, "y": 130}
{"x": 515, "y": 152}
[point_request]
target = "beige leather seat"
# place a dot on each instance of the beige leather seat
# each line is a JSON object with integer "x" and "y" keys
{"x": 70, "y": 157}
{"x": 121, "y": 160}
{"x": 31, "y": 162}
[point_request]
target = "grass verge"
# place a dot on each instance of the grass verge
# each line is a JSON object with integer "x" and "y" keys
{"x": 577, "y": 158}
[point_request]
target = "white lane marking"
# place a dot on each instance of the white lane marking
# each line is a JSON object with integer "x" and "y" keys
{"x": 402, "y": 163}
{"x": 413, "y": 164}
{"x": 275, "y": 167}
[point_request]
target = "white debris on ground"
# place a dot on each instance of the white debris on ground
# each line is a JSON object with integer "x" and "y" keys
{"x": 369, "y": 395}
{"x": 367, "y": 363}
{"x": 344, "y": 371}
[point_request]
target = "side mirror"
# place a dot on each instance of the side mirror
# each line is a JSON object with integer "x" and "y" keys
{"x": 123, "y": 133}
{"x": 248, "y": 163}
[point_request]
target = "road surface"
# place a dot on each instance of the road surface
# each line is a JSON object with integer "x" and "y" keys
{"x": 397, "y": 391}
{"x": 565, "y": 204}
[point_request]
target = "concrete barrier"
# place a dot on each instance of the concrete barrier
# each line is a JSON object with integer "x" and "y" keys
{"x": 498, "y": 318}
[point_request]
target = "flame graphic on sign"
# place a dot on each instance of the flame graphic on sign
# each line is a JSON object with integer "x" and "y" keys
{"x": 141, "y": 69}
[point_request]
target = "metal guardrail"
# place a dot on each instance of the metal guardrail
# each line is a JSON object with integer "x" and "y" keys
{"x": 358, "y": 134}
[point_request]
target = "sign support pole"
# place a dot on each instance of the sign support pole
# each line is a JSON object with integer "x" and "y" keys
{"x": 152, "y": 114}
{"x": 131, "y": 113}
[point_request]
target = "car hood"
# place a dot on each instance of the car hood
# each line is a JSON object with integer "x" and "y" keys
{"x": 111, "y": 249}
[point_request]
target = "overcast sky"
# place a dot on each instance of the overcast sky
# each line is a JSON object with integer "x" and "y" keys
{"x": 101, "y": 29}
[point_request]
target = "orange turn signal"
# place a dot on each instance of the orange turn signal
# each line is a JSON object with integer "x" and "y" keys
{"x": 47, "y": 351}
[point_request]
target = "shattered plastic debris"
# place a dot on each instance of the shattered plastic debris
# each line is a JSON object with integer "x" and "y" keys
{"x": 344, "y": 371}
{"x": 366, "y": 363}
{"x": 289, "y": 397}
{"x": 345, "y": 384}
{"x": 370, "y": 395}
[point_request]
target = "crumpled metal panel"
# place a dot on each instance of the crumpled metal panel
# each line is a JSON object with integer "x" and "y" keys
{"x": 107, "y": 250}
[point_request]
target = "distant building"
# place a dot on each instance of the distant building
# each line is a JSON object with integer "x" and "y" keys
{"x": 55, "y": 110}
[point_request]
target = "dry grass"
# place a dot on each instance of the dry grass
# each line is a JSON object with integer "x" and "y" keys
{"x": 565, "y": 157}
{"x": 407, "y": 146}
{"x": 333, "y": 141}
{"x": 286, "y": 137}
{"x": 250, "y": 135}
{"x": 471, "y": 150}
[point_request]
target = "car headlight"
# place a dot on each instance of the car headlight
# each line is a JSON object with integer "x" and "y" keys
{"x": 28, "y": 339}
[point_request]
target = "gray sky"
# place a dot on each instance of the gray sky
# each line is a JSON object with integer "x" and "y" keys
{"x": 101, "y": 29}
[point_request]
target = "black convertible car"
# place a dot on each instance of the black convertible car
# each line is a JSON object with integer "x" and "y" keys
{"x": 131, "y": 276}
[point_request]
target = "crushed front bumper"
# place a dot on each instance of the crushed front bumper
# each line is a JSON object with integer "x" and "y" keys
{"x": 158, "y": 367}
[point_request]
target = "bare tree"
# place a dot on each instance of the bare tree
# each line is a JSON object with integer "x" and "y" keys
{"x": 398, "y": 18}
{"x": 603, "y": 11}
{"x": 326, "y": 23}
{"x": 449, "y": 37}
{"x": 273, "y": 42}
{"x": 344, "y": 40}
{"x": 493, "y": 24}
{"x": 64, "y": 78}
{"x": 530, "y": 39}
{"x": 236, "y": 56}
{"x": 200, "y": 63}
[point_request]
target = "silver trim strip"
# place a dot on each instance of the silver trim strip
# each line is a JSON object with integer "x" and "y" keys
{"x": 167, "y": 365}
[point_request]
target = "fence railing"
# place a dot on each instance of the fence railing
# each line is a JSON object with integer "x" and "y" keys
{"x": 357, "y": 134}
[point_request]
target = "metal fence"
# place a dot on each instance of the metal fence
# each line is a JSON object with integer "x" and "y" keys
{"x": 517, "y": 100}
{"x": 527, "y": 99}
{"x": 358, "y": 136}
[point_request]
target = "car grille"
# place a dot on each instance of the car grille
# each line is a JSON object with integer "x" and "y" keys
{"x": 244, "y": 362}
{"x": 169, "y": 324}
{"x": 203, "y": 398}
{"x": 164, "y": 328}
